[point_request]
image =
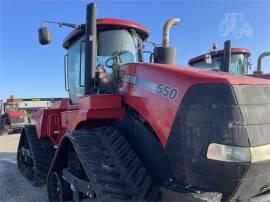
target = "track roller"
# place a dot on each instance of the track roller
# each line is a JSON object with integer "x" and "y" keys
{"x": 34, "y": 156}
{"x": 59, "y": 188}
{"x": 102, "y": 166}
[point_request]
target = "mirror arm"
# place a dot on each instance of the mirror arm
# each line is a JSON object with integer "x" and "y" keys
{"x": 61, "y": 24}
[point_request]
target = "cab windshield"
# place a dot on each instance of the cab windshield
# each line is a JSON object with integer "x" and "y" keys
{"x": 119, "y": 43}
{"x": 125, "y": 45}
{"x": 239, "y": 64}
{"x": 8, "y": 107}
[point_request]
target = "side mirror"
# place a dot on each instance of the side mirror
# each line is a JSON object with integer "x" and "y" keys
{"x": 44, "y": 35}
{"x": 207, "y": 59}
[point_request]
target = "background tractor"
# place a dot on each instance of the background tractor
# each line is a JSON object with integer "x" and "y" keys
{"x": 239, "y": 61}
{"x": 12, "y": 118}
{"x": 132, "y": 130}
{"x": 16, "y": 112}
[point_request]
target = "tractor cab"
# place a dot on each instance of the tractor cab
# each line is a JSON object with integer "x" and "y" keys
{"x": 96, "y": 49}
{"x": 232, "y": 60}
{"x": 11, "y": 105}
{"x": 118, "y": 42}
{"x": 214, "y": 60}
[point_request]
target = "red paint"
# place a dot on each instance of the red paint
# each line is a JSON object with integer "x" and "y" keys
{"x": 54, "y": 122}
{"x": 64, "y": 104}
{"x": 122, "y": 22}
{"x": 218, "y": 53}
{"x": 101, "y": 102}
{"x": 14, "y": 113}
{"x": 160, "y": 111}
{"x": 157, "y": 110}
{"x": 12, "y": 101}
{"x": 108, "y": 22}
{"x": 262, "y": 76}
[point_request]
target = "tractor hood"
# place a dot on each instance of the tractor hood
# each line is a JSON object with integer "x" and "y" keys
{"x": 15, "y": 113}
{"x": 230, "y": 112}
{"x": 213, "y": 75}
{"x": 192, "y": 110}
{"x": 262, "y": 76}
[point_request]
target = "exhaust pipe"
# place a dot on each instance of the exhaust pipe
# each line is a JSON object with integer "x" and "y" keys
{"x": 90, "y": 48}
{"x": 227, "y": 52}
{"x": 166, "y": 54}
{"x": 259, "y": 63}
{"x": 166, "y": 31}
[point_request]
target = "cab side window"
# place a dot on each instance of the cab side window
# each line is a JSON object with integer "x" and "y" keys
{"x": 75, "y": 62}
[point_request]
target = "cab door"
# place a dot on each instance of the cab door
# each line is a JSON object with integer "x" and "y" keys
{"x": 75, "y": 70}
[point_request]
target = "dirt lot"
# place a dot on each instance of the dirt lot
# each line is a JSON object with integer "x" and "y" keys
{"x": 13, "y": 186}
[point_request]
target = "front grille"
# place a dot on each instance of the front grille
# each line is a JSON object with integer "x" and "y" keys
{"x": 17, "y": 120}
{"x": 236, "y": 115}
{"x": 254, "y": 104}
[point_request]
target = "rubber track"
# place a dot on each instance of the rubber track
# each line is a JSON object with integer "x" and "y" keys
{"x": 42, "y": 153}
{"x": 112, "y": 167}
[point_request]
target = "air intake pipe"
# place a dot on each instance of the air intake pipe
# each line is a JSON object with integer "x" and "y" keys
{"x": 259, "y": 63}
{"x": 166, "y": 54}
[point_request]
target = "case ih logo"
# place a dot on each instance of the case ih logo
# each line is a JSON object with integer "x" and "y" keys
{"x": 235, "y": 24}
{"x": 158, "y": 88}
{"x": 128, "y": 78}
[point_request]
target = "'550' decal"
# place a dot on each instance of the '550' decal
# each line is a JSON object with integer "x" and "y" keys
{"x": 166, "y": 91}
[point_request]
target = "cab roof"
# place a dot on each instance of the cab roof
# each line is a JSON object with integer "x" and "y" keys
{"x": 107, "y": 23}
{"x": 218, "y": 53}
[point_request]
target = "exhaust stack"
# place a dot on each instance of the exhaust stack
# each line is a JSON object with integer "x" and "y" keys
{"x": 166, "y": 31}
{"x": 90, "y": 48}
{"x": 166, "y": 54}
{"x": 227, "y": 56}
{"x": 259, "y": 63}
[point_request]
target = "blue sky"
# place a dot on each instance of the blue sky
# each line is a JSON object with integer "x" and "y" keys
{"x": 31, "y": 70}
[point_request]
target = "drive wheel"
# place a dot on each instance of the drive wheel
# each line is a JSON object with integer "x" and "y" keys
{"x": 58, "y": 188}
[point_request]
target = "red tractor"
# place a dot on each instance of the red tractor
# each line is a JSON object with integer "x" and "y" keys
{"x": 132, "y": 130}
{"x": 239, "y": 61}
{"x": 13, "y": 119}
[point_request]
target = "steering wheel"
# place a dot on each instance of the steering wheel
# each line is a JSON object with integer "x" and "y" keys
{"x": 116, "y": 57}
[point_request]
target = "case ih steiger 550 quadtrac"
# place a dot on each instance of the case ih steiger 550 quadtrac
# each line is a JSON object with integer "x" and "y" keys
{"x": 238, "y": 57}
{"x": 131, "y": 129}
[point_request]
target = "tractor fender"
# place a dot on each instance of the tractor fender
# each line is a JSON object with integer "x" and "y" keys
{"x": 147, "y": 146}
{"x": 61, "y": 154}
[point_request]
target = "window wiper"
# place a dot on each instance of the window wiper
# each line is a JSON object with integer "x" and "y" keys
{"x": 136, "y": 39}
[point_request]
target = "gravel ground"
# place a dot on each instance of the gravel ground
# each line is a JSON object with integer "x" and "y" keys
{"x": 13, "y": 186}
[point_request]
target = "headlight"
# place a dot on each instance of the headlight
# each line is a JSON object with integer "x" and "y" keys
{"x": 228, "y": 153}
{"x": 260, "y": 153}
{"x": 221, "y": 152}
